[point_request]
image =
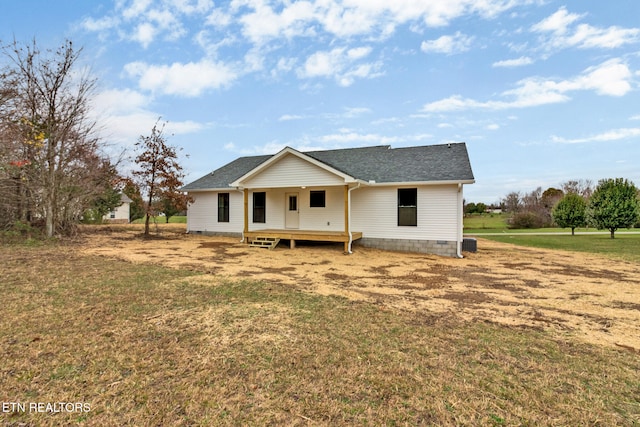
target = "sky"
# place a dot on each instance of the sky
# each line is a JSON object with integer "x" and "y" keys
{"x": 541, "y": 91}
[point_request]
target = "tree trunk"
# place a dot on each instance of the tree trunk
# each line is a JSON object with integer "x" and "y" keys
{"x": 612, "y": 230}
{"x": 146, "y": 225}
{"x": 573, "y": 231}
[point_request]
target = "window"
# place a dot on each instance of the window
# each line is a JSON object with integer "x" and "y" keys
{"x": 317, "y": 199}
{"x": 408, "y": 206}
{"x": 293, "y": 203}
{"x": 259, "y": 207}
{"x": 223, "y": 207}
{"x": 112, "y": 214}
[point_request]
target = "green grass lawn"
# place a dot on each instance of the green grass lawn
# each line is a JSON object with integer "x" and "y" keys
{"x": 485, "y": 222}
{"x": 162, "y": 220}
{"x": 146, "y": 345}
{"x": 624, "y": 246}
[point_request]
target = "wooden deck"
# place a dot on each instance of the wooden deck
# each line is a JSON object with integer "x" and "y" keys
{"x": 310, "y": 235}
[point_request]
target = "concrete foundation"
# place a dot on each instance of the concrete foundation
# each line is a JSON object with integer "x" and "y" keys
{"x": 436, "y": 247}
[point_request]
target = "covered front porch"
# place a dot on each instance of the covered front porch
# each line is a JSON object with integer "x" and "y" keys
{"x": 308, "y": 235}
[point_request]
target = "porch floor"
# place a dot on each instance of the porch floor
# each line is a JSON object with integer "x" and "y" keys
{"x": 311, "y": 235}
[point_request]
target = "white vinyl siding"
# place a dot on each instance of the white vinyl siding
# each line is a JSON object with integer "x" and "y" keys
{"x": 291, "y": 171}
{"x": 329, "y": 218}
{"x": 375, "y": 212}
{"x": 202, "y": 213}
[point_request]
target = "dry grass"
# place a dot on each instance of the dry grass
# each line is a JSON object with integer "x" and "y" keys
{"x": 149, "y": 345}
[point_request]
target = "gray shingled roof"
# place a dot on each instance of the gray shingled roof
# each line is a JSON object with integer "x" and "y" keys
{"x": 447, "y": 162}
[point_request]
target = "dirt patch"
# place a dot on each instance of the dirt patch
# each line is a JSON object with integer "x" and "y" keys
{"x": 584, "y": 296}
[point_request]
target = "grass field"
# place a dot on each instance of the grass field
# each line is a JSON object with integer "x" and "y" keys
{"x": 625, "y": 246}
{"x": 145, "y": 345}
{"x": 162, "y": 220}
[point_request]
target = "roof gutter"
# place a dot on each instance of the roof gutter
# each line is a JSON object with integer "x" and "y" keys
{"x": 408, "y": 183}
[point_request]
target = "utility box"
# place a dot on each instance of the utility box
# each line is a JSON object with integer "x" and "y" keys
{"x": 469, "y": 244}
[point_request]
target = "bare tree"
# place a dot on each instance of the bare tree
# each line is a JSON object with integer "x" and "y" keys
{"x": 512, "y": 202}
{"x": 581, "y": 187}
{"x": 49, "y": 136}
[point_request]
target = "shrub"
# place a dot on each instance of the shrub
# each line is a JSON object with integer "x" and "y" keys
{"x": 526, "y": 220}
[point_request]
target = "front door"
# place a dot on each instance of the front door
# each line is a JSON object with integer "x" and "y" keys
{"x": 292, "y": 214}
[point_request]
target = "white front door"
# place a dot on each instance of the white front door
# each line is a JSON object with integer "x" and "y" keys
{"x": 292, "y": 214}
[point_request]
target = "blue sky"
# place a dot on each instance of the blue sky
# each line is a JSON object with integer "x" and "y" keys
{"x": 541, "y": 91}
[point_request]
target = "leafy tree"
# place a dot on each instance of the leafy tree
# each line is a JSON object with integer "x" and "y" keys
{"x": 159, "y": 173}
{"x": 172, "y": 205}
{"x": 136, "y": 207}
{"x": 571, "y": 211}
{"x": 470, "y": 208}
{"x": 103, "y": 204}
{"x": 614, "y": 204}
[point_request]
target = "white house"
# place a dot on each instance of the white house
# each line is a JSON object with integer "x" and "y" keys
{"x": 120, "y": 214}
{"x": 408, "y": 199}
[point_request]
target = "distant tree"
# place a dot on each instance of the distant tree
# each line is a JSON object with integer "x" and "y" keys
{"x": 614, "y": 204}
{"x": 512, "y": 202}
{"x": 159, "y": 173}
{"x": 481, "y": 207}
{"x": 103, "y": 204}
{"x": 525, "y": 219}
{"x": 470, "y": 208}
{"x": 583, "y": 187}
{"x": 171, "y": 205}
{"x": 136, "y": 207}
{"x": 550, "y": 197}
{"x": 570, "y": 211}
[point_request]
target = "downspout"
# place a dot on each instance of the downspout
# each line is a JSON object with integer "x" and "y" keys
{"x": 241, "y": 190}
{"x": 460, "y": 226}
{"x": 349, "y": 208}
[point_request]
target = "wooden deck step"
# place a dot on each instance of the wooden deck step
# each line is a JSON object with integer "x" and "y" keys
{"x": 264, "y": 242}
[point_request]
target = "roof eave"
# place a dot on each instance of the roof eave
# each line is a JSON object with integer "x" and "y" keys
{"x": 405, "y": 183}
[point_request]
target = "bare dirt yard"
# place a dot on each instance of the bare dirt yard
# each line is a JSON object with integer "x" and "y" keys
{"x": 586, "y": 297}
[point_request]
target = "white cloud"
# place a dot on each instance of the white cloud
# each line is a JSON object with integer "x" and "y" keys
{"x": 115, "y": 101}
{"x": 145, "y": 34}
{"x": 349, "y": 137}
{"x": 557, "y": 23}
{"x": 349, "y": 18}
{"x": 101, "y": 24}
{"x": 189, "y": 80}
{"x": 612, "y": 135}
{"x": 493, "y": 126}
{"x": 124, "y": 116}
{"x": 510, "y": 63}
{"x": 219, "y": 19}
{"x": 456, "y": 43}
{"x": 612, "y": 78}
{"x": 289, "y": 117}
{"x": 137, "y": 8}
{"x": 339, "y": 63}
{"x": 558, "y": 32}
{"x": 351, "y": 112}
